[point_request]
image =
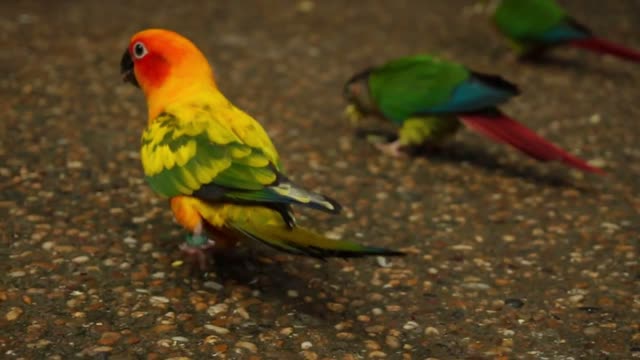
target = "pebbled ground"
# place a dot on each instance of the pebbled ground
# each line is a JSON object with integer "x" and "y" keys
{"x": 509, "y": 258}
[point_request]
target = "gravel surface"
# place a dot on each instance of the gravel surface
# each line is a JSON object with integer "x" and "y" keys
{"x": 508, "y": 258}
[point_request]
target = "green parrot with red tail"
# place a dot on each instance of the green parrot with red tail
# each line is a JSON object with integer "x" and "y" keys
{"x": 534, "y": 26}
{"x": 430, "y": 99}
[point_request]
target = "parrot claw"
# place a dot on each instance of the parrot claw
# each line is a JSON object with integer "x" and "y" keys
{"x": 394, "y": 149}
{"x": 198, "y": 249}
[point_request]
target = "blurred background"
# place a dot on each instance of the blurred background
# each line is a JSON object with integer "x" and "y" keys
{"x": 508, "y": 257}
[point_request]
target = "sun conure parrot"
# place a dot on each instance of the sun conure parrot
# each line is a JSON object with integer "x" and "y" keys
{"x": 429, "y": 98}
{"x": 214, "y": 162}
{"x": 534, "y": 26}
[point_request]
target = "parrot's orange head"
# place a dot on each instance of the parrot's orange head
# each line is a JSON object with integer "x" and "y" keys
{"x": 164, "y": 64}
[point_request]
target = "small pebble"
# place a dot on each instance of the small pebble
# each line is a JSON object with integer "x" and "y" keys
{"x": 431, "y": 331}
{"x": 217, "y": 308}
{"x": 217, "y": 329}
{"x": 591, "y": 330}
{"x": 247, "y": 346}
{"x": 109, "y": 338}
{"x": 306, "y": 345}
{"x": 377, "y": 354}
{"x": 392, "y": 342}
{"x": 508, "y": 333}
{"x": 345, "y": 336}
{"x": 371, "y": 345}
{"x": 74, "y": 164}
{"x": 80, "y": 259}
{"x": 158, "y": 300}
{"x": 410, "y": 325}
{"x": 40, "y": 344}
{"x": 306, "y": 6}
{"x": 13, "y": 314}
{"x": 102, "y": 349}
{"x": 130, "y": 241}
{"x": 243, "y": 313}
{"x": 374, "y": 329}
{"x": 383, "y": 262}
{"x": 576, "y": 298}
{"x": 476, "y": 286}
{"x": 17, "y": 273}
{"x": 213, "y": 285}
{"x": 309, "y": 355}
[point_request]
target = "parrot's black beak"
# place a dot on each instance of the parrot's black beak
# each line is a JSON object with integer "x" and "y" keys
{"x": 126, "y": 69}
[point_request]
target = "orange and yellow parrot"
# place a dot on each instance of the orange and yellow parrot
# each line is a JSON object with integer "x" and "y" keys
{"x": 214, "y": 162}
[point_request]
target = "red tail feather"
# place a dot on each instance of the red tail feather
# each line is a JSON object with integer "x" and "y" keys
{"x": 606, "y": 47}
{"x": 503, "y": 129}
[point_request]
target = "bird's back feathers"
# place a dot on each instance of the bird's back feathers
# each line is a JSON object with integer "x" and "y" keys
{"x": 423, "y": 85}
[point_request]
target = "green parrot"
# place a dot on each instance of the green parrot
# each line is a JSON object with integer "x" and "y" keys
{"x": 430, "y": 98}
{"x": 533, "y": 26}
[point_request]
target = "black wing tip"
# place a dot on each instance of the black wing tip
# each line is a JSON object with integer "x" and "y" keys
{"x": 322, "y": 254}
{"x": 497, "y": 81}
{"x": 578, "y": 26}
{"x": 336, "y": 207}
{"x": 386, "y": 252}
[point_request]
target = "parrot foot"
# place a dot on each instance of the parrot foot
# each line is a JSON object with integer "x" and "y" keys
{"x": 198, "y": 249}
{"x": 394, "y": 149}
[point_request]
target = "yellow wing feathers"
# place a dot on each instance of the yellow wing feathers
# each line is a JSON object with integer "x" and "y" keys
{"x": 215, "y": 162}
{"x": 192, "y": 144}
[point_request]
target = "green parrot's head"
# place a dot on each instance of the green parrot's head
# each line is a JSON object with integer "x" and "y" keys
{"x": 356, "y": 92}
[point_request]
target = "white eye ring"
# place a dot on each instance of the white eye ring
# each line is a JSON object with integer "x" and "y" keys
{"x": 139, "y": 50}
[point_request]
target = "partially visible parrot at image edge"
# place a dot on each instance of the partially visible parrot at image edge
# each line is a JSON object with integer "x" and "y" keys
{"x": 214, "y": 162}
{"x": 533, "y": 26}
{"x": 430, "y": 98}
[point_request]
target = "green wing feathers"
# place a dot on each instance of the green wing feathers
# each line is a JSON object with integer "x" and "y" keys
{"x": 407, "y": 86}
{"x": 180, "y": 157}
{"x": 204, "y": 159}
{"x": 527, "y": 20}
{"x": 266, "y": 226}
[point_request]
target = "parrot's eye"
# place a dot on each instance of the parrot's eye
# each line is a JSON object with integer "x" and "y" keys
{"x": 139, "y": 50}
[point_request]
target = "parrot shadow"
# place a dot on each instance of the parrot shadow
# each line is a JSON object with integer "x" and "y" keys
{"x": 478, "y": 156}
{"x": 455, "y": 152}
{"x": 297, "y": 284}
{"x": 547, "y": 60}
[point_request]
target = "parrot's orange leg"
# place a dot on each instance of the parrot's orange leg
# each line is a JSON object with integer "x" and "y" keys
{"x": 198, "y": 246}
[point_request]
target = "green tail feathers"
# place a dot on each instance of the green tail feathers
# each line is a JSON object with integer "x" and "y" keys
{"x": 302, "y": 241}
